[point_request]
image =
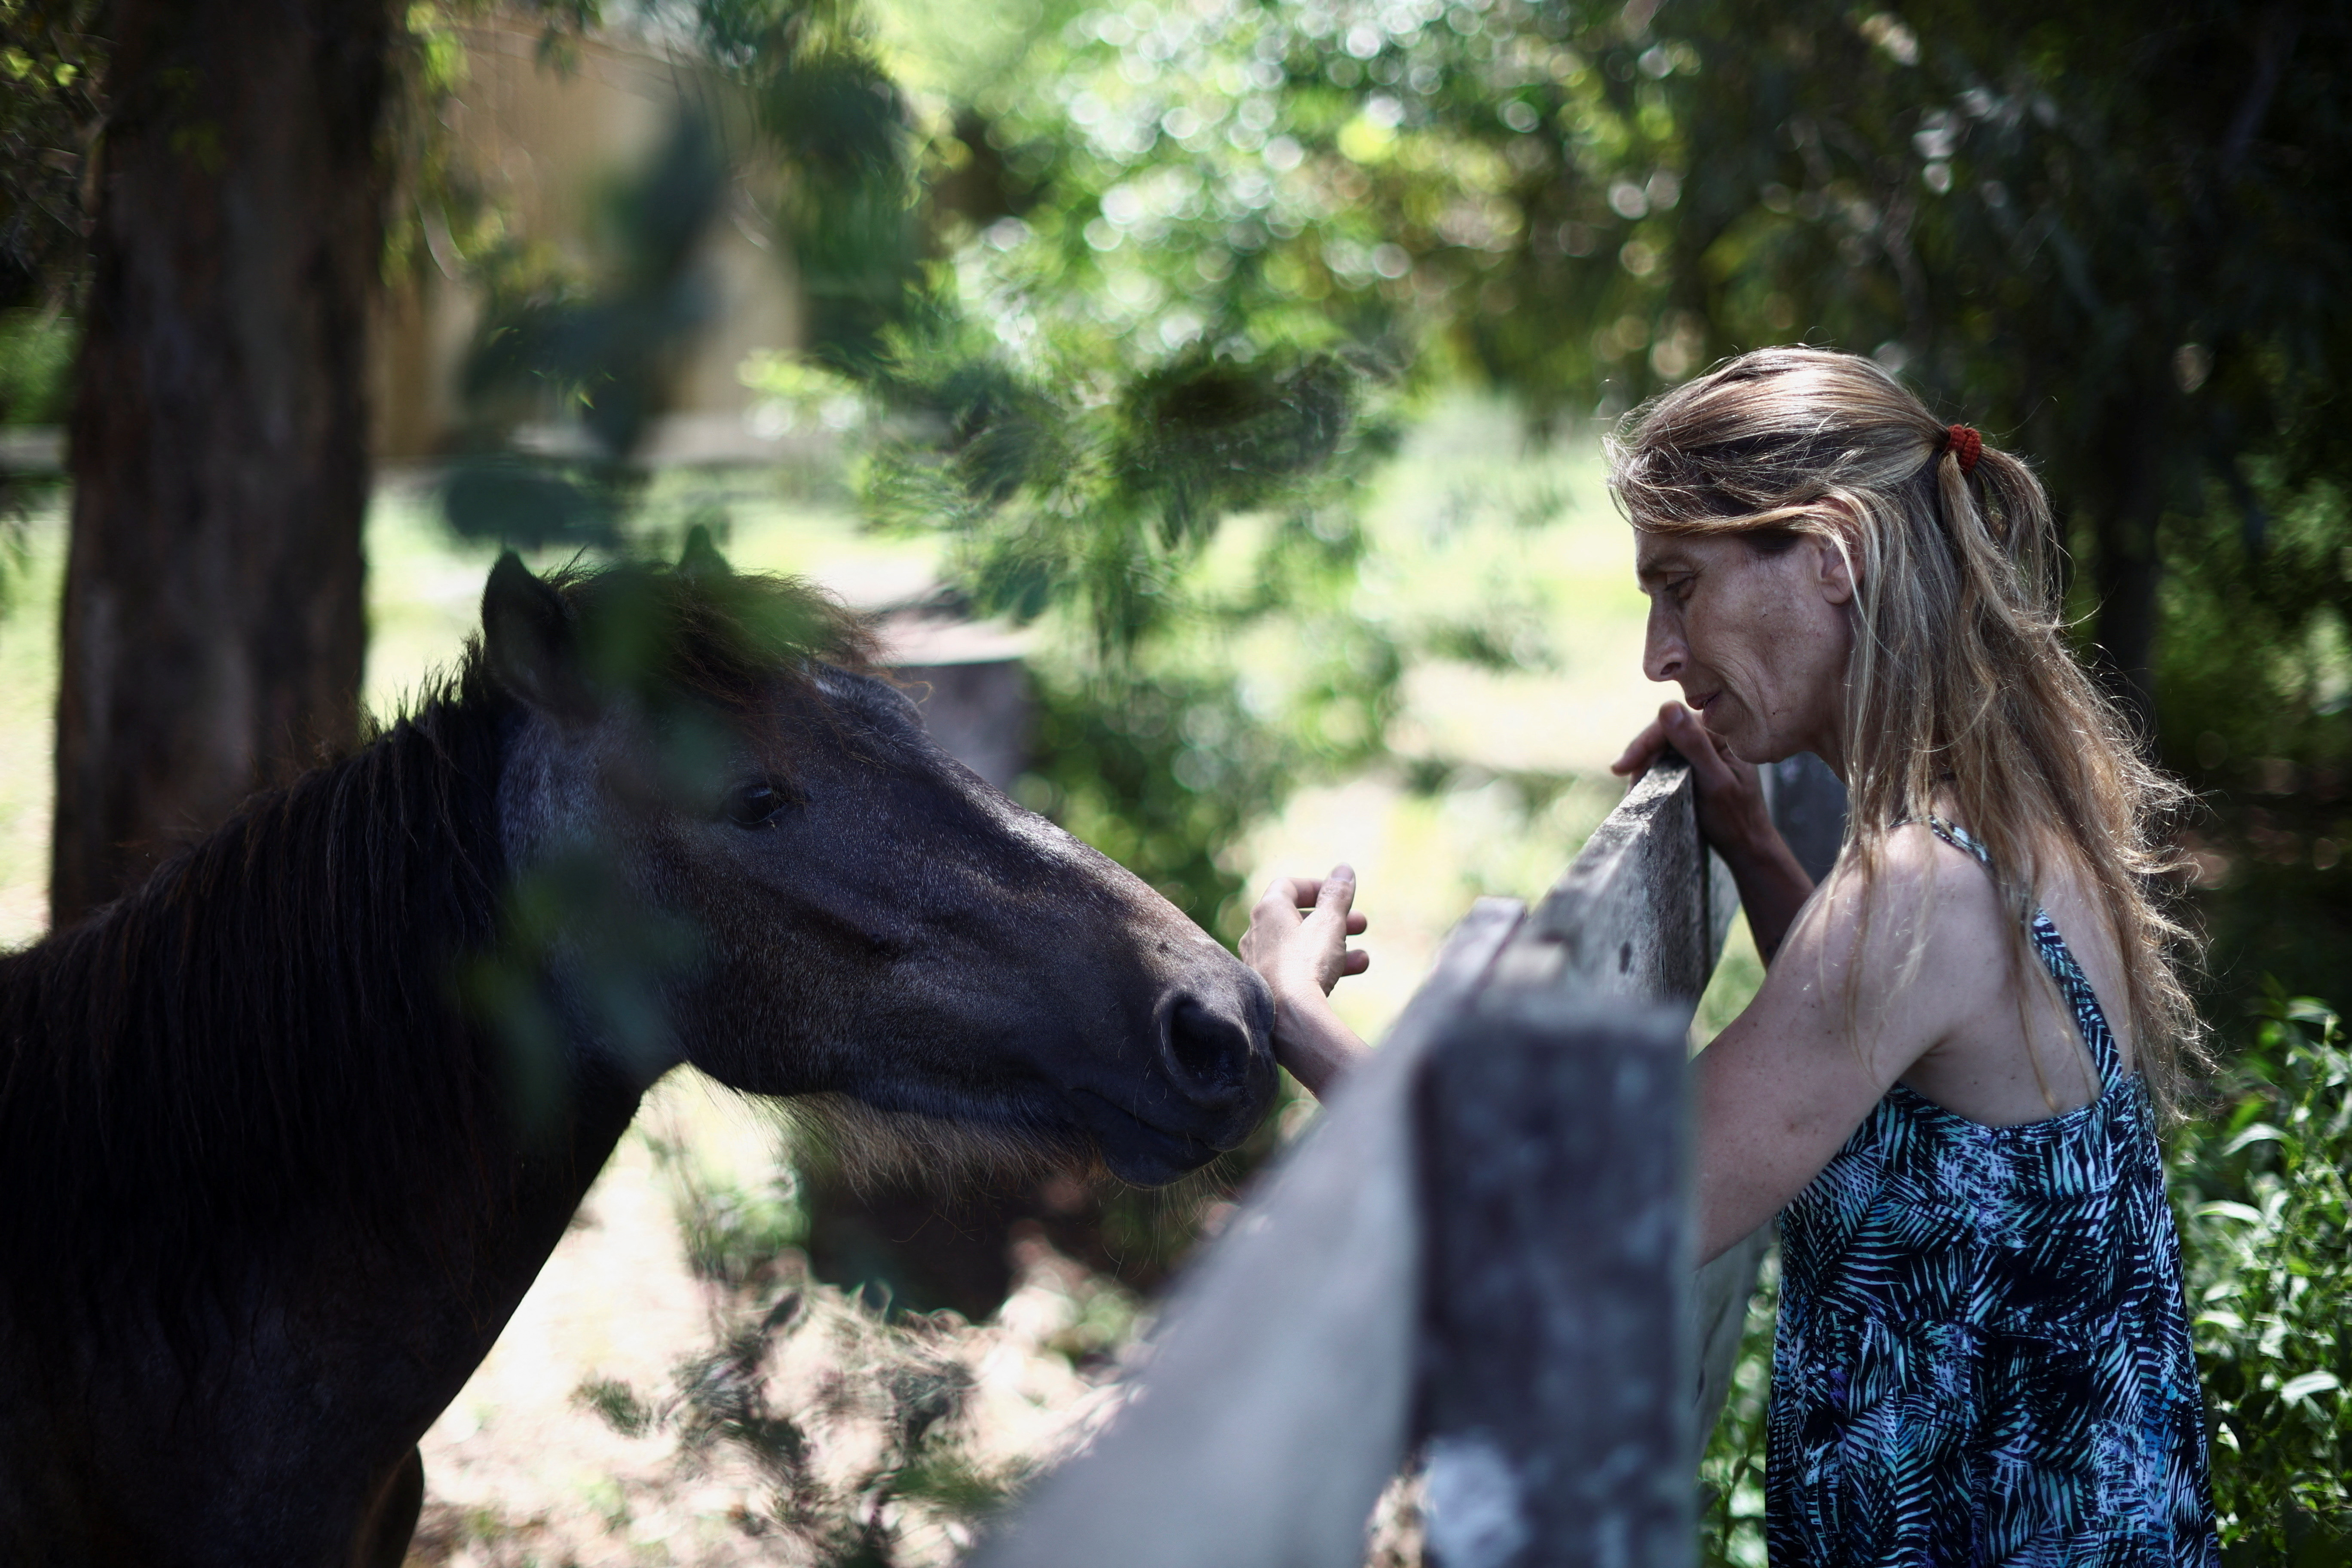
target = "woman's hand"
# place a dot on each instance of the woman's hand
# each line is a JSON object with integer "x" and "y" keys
{"x": 1297, "y": 941}
{"x": 1298, "y": 934}
{"x": 1731, "y": 809}
{"x": 1734, "y": 819}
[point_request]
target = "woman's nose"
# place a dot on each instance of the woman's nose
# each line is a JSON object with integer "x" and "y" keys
{"x": 1664, "y": 654}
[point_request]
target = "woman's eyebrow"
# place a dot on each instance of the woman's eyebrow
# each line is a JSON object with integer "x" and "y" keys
{"x": 1661, "y": 567}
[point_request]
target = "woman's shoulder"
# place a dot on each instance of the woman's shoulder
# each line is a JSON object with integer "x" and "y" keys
{"x": 1915, "y": 889}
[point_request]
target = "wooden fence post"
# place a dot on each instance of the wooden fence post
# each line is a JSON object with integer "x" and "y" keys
{"x": 1555, "y": 1376}
{"x": 1808, "y": 809}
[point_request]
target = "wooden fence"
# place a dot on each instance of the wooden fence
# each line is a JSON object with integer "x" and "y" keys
{"x": 1479, "y": 1253}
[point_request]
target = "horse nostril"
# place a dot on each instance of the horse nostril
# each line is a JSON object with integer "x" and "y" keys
{"x": 1211, "y": 1055}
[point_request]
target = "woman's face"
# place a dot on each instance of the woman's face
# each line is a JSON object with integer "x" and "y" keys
{"x": 1757, "y": 641}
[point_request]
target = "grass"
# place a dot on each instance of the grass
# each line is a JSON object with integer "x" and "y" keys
{"x": 29, "y": 698}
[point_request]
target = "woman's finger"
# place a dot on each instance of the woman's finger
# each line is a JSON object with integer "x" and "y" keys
{"x": 1335, "y": 895}
{"x": 1354, "y": 961}
{"x": 1704, "y": 753}
{"x": 1290, "y": 894}
{"x": 1357, "y": 923}
{"x": 1691, "y": 737}
{"x": 1643, "y": 750}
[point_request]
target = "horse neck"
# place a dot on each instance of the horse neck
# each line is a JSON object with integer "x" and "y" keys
{"x": 260, "y": 1051}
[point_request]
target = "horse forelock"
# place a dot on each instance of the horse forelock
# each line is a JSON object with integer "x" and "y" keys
{"x": 726, "y": 639}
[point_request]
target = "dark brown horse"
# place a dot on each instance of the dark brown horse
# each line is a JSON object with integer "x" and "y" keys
{"x": 285, "y": 1134}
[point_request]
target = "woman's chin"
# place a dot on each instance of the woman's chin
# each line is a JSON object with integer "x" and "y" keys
{"x": 1740, "y": 745}
{"x": 1731, "y": 738}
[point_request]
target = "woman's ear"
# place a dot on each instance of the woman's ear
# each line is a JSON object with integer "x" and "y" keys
{"x": 1833, "y": 576}
{"x": 1832, "y": 559}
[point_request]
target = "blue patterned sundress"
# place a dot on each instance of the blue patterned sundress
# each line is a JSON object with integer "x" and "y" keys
{"x": 1983, "y": 1353}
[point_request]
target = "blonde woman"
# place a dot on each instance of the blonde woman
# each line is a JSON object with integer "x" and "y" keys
{"x": 1949, "y": 1085}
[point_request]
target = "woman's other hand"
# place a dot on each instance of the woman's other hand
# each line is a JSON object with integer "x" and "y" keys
{"x": 1298, "y": 934}
{"x": 1297, "y": 941}
{"x": 1731, "y": 809}
{"x": 1733, "y": 818}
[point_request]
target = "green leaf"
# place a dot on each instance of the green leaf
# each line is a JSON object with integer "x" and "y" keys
{"x": 2309, "y": 1384}
{"x": 2261, "y": 1131}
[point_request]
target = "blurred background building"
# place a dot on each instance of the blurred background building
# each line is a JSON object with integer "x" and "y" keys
{"x": 542, "y": 141}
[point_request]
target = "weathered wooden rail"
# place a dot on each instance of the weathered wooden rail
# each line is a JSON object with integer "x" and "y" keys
{"x": 1480, "y": 1253}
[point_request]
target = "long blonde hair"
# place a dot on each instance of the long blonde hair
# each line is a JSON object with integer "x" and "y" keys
{"x": 1961, "y": 682}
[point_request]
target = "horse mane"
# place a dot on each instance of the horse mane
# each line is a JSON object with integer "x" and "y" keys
{"x": 262, "y": 1051}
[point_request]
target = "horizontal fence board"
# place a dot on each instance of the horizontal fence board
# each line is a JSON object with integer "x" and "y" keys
{"x": 1642, "y": 910}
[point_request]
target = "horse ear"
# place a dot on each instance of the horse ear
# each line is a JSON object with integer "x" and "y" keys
{"x": 701, "y": 558}
{"x": 529, "y": 641}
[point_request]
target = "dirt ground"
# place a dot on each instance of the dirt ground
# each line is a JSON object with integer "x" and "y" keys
{"x": 522, "y": 1470}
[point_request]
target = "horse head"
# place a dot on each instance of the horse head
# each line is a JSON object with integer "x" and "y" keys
{"x": 732, "y": 845}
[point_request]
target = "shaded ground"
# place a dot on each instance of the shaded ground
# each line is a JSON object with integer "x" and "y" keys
{"x": 526, "y": 1468}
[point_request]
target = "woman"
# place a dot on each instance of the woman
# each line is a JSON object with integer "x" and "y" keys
{"x": 1983, "y": 1355}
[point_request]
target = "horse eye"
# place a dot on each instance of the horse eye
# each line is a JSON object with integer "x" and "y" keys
{"x": 754, "y": 805}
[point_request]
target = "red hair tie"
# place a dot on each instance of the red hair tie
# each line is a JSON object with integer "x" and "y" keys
{"x": 1963, "y": 440}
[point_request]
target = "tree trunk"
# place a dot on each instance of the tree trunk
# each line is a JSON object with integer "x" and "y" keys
{"x": 213, "y": 628}
{"x": 2125, "y": 495}
{"x": 2127, "y": 572}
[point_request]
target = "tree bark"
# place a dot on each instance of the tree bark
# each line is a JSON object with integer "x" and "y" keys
{"x": 2128, "y": 504}
{"x": 213, "y": 629}
{"x": 2127, "y": 574}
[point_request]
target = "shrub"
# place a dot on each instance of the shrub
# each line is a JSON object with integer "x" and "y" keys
{"x": 2260, "y": 1185}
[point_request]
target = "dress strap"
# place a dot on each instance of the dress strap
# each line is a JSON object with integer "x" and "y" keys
{"x": 1959, "y": 837}
{"x": 2060, "y": 961}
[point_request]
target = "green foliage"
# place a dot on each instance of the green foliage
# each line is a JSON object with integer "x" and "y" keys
{"x": 617, "y": 1403}
{"x": 836, "y": 125}
{"x": 37, "y": 350}
{"x": 599, "y": 350}
{"x": 734, "y": 1235}
{"x": 1060, "y": 492}
{"x": 1163, "y": 763}
{"x": 2254, "y": 700}
{"x": 1731, "y": 1475}
{"x": 2107, "y": 234}
{"x": 2261, "y": 1187}
{"x": 52, "y": 60}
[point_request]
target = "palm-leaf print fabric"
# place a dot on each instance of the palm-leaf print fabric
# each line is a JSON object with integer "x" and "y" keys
{"x": 1983, "y": 1355}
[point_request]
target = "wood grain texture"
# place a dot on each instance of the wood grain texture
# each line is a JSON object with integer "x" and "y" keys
{"x": 1556, "y": 1346}
{"x": 1641, "y": 911}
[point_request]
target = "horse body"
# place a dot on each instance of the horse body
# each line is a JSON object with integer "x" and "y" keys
{"x": 288, "y": 1132}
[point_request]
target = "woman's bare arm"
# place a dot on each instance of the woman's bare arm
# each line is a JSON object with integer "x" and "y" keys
{"x": 1842, "y": 1015}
